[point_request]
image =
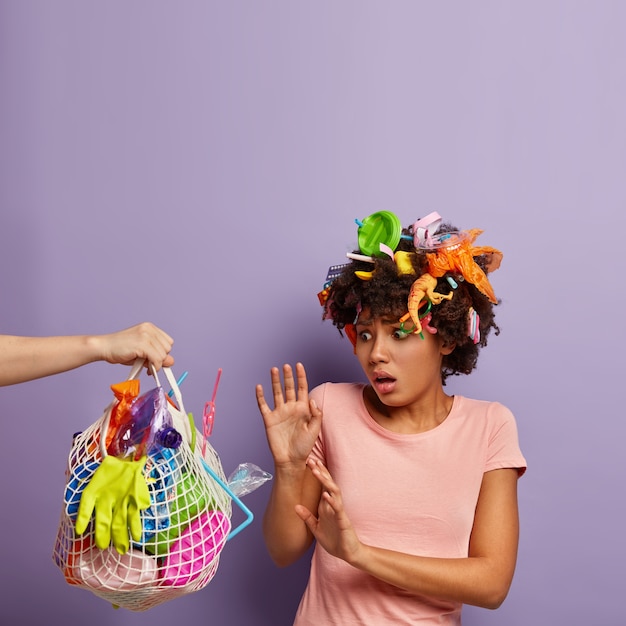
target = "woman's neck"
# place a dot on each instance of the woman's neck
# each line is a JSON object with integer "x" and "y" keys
{"x": 421, "y": 416}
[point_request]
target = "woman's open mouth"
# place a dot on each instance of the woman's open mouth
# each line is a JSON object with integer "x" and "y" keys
{"x": 383, "y": 383}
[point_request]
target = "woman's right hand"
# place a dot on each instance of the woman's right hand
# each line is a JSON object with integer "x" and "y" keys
{"x": 293, "y": 425}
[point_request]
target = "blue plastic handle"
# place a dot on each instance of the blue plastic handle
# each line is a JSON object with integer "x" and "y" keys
{"x": 238, "y": 502}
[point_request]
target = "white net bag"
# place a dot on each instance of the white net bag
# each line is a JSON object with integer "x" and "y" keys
{"x": 146, "y": 524}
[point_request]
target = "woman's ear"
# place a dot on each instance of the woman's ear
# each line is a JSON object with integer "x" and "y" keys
{"x": 447, "y": 349}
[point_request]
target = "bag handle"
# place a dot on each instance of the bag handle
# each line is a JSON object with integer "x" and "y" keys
{"x": 179, "y": 416}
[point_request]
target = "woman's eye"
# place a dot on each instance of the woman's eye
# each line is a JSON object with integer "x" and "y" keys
{"x": 400, "y": 334}
{"x": 365, "y": 336}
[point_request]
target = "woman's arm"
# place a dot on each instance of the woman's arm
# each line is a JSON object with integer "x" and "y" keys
{"x": 27, "y": 358}
{"x": 482, "y": 579}
{"x": 292, "y": 428}
{"x": 287, "y": 538}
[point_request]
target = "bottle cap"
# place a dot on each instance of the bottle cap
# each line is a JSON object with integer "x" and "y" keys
{"x": 169, "y": 438}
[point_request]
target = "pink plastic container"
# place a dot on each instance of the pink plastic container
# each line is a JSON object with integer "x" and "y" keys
{"x": 195, "y": 549}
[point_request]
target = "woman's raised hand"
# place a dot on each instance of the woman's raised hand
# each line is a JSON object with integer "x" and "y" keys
{"x": 293, "y": 425}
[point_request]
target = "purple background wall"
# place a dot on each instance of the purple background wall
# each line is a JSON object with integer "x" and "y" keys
{"x": 200, "y": 164}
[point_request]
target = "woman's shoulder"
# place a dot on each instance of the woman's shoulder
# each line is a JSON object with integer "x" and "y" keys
{"x": 337, "y": 392}
{"x": 339, "y": 388}
{"x": 491, "y": 410}
{"x": 494, "y": 424}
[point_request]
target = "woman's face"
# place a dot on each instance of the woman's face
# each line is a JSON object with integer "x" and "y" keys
{"x": 401, "y": 367}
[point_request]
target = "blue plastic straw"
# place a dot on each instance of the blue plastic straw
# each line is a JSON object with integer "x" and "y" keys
{"x": 178, "y": 382}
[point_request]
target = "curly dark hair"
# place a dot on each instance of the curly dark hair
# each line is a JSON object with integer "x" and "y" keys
{"x": 386, "y": 295}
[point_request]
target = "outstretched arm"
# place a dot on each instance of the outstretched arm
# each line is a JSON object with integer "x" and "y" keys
{"x": 28, "y": 358}
{"x": 482, "y": 579}
{"x": 292, "y": 428}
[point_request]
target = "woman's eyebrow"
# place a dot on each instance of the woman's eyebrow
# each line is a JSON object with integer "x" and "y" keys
{"x": 389, "y": 321}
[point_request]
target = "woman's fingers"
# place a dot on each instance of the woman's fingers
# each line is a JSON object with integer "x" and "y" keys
{"x": 277, "y": 390}
{"x": 291, "y": 393}
{"x": 260, "y": 400}
{"x": 303, "y": 386}
{"x": 306, "y": 516}
{"x": 323, "y": 475}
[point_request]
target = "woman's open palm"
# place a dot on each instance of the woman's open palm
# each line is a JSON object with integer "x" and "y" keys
{"x": 293, "y": 425}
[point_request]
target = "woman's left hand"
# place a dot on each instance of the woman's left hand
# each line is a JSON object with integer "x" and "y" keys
{"x": 332, "y": 529}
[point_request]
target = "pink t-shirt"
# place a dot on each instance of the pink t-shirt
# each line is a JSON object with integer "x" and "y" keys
{"x": 412, "y": 493}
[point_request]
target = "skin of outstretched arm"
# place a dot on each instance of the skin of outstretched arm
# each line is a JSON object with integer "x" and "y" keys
{"x": 27, "y": 358}
{"x": 482, "y": 579}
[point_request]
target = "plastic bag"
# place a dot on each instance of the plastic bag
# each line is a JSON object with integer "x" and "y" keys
{"x": 246, "y": 478}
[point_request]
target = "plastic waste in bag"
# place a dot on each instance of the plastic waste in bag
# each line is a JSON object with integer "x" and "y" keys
{"x": 144, "y": 428}
{"x": 246, "y": 478}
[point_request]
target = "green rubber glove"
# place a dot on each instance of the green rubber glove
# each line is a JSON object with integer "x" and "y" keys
{"x": 116, "y": 494}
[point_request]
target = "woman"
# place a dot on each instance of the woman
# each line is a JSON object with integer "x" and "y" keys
{"x": 409, "y": 493}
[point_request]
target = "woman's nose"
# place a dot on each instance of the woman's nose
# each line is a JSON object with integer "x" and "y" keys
{"x": 378, "y": 352}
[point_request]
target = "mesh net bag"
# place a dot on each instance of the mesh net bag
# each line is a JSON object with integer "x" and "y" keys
{"x": 171, "y": 535}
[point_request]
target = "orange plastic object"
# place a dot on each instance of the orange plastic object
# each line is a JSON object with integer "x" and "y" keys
{"x": 423, "y": 287}
{"x": 460, "y": 259}
{"x": 125, "y": 393}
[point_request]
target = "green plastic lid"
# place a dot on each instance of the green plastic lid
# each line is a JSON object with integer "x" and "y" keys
{"x": 381, "y": 227}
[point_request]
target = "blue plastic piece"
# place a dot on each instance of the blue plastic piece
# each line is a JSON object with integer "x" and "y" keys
{"x": 236, "y": 500}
